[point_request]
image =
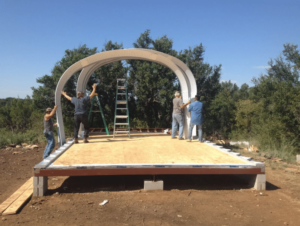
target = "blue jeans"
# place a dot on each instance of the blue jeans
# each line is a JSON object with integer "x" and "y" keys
{"x": 177, "y": 119}
{"x": 50, "y": 145}
{"x": 199, "y": 131}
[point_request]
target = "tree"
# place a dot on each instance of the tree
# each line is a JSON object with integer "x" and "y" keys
{"x": 152, "y": 84}
{"x": 43, "y": 96}
{"x": 272, "y": 112}
{"x": 20, "y": 113}
{"x": 223, "y": 108}
{"x": 107, "y": 76}
{"x": 15, "y": 115}
{"x": 207, "y": 80}
{"x": 292, "y": 54}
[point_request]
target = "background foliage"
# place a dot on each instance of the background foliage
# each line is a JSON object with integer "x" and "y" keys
{"x": 266, "y": 113}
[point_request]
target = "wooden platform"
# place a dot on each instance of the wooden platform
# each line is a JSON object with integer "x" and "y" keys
{"x": 142, "y": 154}
{"x": 143, "y": 149}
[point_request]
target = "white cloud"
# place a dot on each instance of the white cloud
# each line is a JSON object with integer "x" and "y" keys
{"x": 262, "y": 67}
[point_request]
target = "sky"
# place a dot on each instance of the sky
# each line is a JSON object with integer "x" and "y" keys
{"x": 242, "y": 35}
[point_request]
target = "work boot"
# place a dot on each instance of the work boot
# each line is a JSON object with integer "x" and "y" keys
{"x": 85, "y": 140}
{"x": 181, "y": 138}
{"x": 76, "y": 141}
{"x": 173, "y": 137}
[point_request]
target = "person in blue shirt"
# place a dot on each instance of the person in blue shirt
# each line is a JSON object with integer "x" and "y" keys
{"x": 81, "y": 112}
{"x": 197, "y": 118}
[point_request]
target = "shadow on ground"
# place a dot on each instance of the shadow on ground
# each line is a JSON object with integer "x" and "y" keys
{"x": 181, "y": 182}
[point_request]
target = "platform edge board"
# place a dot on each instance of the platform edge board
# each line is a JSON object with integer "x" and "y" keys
{"x": 148, "y": 171}
{"x": 237, "y": 155}
{"x": 228, "y": 151}
{"x": 153, "y": 165}
{"x": 53, "y": 156}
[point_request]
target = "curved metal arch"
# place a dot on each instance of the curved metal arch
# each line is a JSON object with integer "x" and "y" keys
{"x": 184, "y": 68}
{"x": 90, "y": 64}
{"x": 85, "y": 74}
{"x": 88, "y": 71}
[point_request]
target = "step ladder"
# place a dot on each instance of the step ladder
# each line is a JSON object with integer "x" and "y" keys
{"x": 121, "y": 122}
{"x": 100, "y": 110}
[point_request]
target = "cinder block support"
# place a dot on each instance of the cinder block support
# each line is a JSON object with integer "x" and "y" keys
{"x": 40, "y": 186}
{"x": 259, "y": 182}
{"x": 153, "y": 185}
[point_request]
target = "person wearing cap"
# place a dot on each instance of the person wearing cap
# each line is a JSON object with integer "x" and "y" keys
{"x": 197, "y": 118}
{"x": 177, "y": 116}
{"x": 48, "y": 131}
{"x": 81, "y": 111}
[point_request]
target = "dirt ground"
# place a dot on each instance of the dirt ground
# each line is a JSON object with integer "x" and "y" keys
{"x": 186, "y": 200}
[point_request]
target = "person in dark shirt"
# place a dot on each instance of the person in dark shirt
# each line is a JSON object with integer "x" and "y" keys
{"x": 177, "y": 116}
{"x": 81, "y": 112}
{"x": 48, "y": 131}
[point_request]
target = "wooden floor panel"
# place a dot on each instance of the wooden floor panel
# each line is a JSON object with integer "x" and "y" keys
{"x": 144, "y": 148}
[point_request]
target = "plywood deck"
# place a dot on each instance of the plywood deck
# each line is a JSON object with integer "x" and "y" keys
{"x": 146, "y": 148}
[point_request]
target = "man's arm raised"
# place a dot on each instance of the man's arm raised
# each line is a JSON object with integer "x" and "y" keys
{"x": 65, "y": 95}
{"x": 51, "y": 114}
{"x": 94, "y": 91}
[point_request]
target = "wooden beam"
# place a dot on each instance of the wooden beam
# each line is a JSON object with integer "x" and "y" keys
{"x": 18, "y": 203}
{"x": 145, "y": 171}
{"x": 16, "y": 195}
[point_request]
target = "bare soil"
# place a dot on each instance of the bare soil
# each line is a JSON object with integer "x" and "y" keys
{"x": 186, "y": 200}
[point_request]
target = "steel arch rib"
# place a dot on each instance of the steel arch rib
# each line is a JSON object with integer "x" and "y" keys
{"x": 90, "y": 64}
{"x": 192, "y": 88}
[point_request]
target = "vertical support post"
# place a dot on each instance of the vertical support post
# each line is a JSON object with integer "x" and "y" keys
{"x": 257, "y": 181}
{"x": 260, "y": 182}
{"x": 40, "y": 186}
{"x": 186, "y": 124}
{"x": 58, "y": 136}
{"x": 153, "y": 185}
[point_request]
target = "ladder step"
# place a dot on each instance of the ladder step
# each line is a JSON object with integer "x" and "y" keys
{"x": 121, "y": 116}
{"x": 120, "y": 127}
{"x": 121, "y": 79}
{"x": 95, "y": 111}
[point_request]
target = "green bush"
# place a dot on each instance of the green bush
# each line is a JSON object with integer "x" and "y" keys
{"x": 3, "y": 138}
{"x": 137, "y": 123}
{"x": 30, "y": 136}
{"x": 7, "y": 137}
